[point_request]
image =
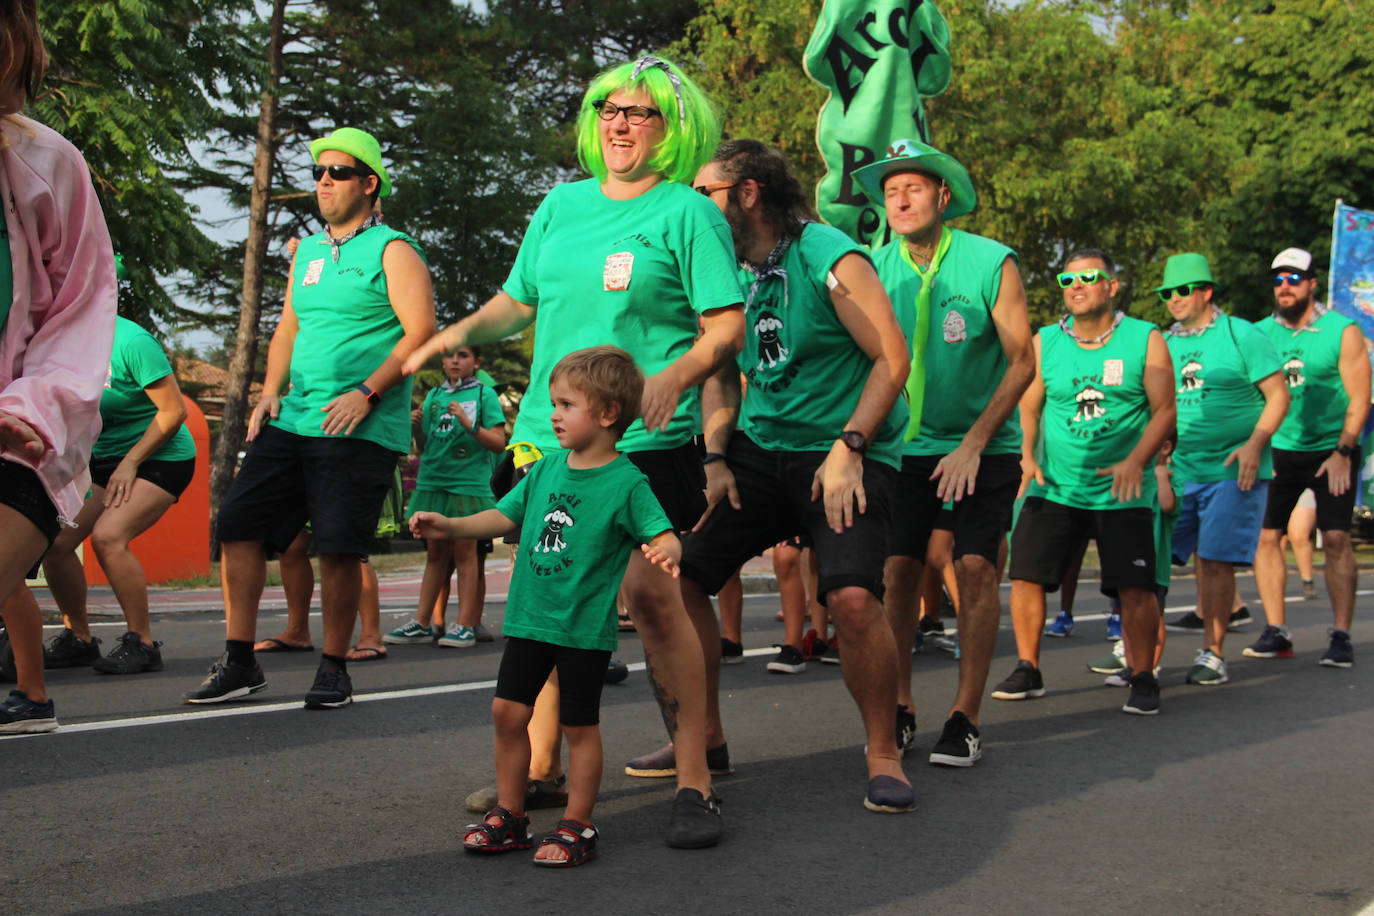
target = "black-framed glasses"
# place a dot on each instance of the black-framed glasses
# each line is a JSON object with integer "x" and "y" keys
{"x": 341, "y": 172}
{"x": 1187, "y": 289}
{"x": 706, "y": 190}
{"x": 1086, "y": 277}
{"x": 634, "y": 114}
{"x": 1287, "y": 280}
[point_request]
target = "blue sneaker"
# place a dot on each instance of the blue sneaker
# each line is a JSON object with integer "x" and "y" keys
{"x": 21, "y": 716}
{"x": 1113, "y": 627}
{"x": 1062, "y": 626}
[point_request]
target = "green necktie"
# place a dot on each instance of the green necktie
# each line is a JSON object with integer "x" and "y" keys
{"x": 916, "y": 379}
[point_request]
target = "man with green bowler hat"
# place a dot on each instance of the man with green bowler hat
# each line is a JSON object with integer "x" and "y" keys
{"x": 359, "y": 301}
{"x": 1231, "y": 398}
{"x": 960, "y": 302}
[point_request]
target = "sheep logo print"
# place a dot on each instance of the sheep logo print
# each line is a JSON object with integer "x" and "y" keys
{"x": 551, "y": 538}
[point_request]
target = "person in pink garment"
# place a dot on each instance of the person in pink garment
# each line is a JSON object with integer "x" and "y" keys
{"x": 57, "y": 323}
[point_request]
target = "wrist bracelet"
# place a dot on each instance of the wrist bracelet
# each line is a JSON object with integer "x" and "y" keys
{"x": 711, "y": 456}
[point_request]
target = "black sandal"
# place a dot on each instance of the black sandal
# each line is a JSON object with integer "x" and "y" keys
{"x": 577, "y": 838}
{"x": 508, "y": 834}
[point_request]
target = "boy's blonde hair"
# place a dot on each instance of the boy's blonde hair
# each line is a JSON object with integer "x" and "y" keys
{"x": 606, "y": 375}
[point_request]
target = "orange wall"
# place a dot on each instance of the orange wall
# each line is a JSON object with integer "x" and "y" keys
{"x": 178, "y": 546}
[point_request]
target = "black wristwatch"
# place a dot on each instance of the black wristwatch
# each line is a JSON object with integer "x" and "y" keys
{"x": 1345, "y": 451}
{"x": 711, "y": 456}
{"x": 856, "y": 440}
{"x": 373, "y": 397}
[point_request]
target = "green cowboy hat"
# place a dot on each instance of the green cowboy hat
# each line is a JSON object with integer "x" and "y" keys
{"x": 1181, "y": 269}
{"x": 915, "y": 156}
{"x": 359, "y": 144}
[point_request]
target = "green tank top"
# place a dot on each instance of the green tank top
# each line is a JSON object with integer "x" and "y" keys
{"x": 964, "y": 360}
{"x": 1311, "y": 359}
{"x": 1095, "y": 411}
{"x": 347, "y": 328}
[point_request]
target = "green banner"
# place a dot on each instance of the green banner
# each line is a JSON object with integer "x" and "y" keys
{"x": 878, "y": 59}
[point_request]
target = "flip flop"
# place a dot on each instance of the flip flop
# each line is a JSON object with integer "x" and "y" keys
{"x": 278, "y": 646}
{"x": 365, "y": 654}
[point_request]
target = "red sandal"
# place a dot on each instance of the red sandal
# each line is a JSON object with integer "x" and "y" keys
{"x": 577, "y": 838}
{"x": 507, "y": 833}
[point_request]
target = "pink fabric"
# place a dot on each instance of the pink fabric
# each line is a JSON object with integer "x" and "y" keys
{"x": 55, "y": 347}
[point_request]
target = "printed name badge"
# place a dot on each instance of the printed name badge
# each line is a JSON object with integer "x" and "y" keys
{"x": 616, "y": 274}
{"x": 312, "y": 272}
{"x": 1113, "y": 371}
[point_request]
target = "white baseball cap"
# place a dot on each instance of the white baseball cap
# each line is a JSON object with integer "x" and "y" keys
{"x": 1293, "y": 259}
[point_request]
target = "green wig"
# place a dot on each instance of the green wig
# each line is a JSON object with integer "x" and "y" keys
{"x": 691, "y": 129}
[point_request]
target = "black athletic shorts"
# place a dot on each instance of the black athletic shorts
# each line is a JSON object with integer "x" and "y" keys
{"x": 1047, "y": 535}
{"x": 1297, "y": 471}
{"x": 678, "y": 481}
{"x": 172, "y": 476}
{"x": 979, "y": 521}
{"x": 525, "y": 666}
{"x": 775, "y": 493}
{"x": 336, "y": 483}
{"x": 22, "y": 491}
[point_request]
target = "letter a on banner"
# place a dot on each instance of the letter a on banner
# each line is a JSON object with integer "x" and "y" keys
{"x": 878, "y": 59}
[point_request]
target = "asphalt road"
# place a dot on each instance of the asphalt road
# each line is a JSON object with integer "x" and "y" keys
{"x": 1248, "y": 798}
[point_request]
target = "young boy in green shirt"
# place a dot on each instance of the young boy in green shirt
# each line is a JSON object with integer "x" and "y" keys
{"x": 578, "y": 513}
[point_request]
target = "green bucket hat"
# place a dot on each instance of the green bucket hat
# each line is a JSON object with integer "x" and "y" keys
{"x": 359, "y": 144}
{"x": 915, "y": 156}
{"x": 1189, "y": 267}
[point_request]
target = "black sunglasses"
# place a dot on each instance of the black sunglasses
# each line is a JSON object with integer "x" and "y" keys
{"x": 634, "y": 114}
{"x": 341, "y": 172}
{"x": 1187, "y": 289}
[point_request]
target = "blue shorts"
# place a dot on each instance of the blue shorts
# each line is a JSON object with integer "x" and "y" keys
{"x": 1220, "y": 521}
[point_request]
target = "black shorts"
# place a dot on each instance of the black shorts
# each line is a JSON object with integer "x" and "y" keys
{"x": 1297, "y": 471}
{"x": 979, "y": 521}
{"x": 335, "y": 483}
{"x": 678, "y": 481}
{"x": 1048, "y": 533}
{"x": 775, "y": 492}
{"x": 22, "y": 491}
{"x": 172, "y": 476}
{"x": 525, "y": 666}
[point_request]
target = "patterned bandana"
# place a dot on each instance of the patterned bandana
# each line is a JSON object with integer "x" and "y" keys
{"x": 648, "y": 61}
{"x": 1116, "y": 322}
{"x": 1178, "y": 330}
{"x": 336, "y": 244}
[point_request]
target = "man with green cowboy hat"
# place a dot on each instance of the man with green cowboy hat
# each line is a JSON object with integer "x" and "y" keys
{"x": 960, "y": 302}
{"x": 1231, "y": 399}
{"x": 359, "y": 301}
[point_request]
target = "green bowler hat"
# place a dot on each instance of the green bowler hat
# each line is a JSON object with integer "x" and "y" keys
{"x": 1189, "y": 267}
{"x": 359, "y": 144}
{"x": 915, "y": 156}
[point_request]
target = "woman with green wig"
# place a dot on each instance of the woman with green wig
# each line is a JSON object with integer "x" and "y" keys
{"x": 634, "y": 257}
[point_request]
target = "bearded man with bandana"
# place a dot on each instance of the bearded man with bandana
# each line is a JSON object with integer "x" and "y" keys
{"x": 816, "y": 444}
{"x": 960, "y": 302}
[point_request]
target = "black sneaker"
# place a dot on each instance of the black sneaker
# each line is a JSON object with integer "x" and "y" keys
{"x": 21, "y": 716}
{"x": 1272, "y": 643}
{"x": 332, "y": 689}
{"x": 1144, "y": 699}
{"x": 1188, "y": 623}
{"x": 695, "y": 822}
{"x": 227, "y": 681}
{"x": 959, "y": 744}
{"x": 788, "y": 661}
{"x": 930, "y": 625}
{"x": 1309, "y": 590}
{"x": 130, "y": 656}
{"x": 1240, "y": 618}
{"x": 906, "y": 729}
{"x": 1339, "y": 653}
{"x": 831, "y": 654}
{"x": 731, "y": 652}
{"x": 1023, "y": 683}
{"x": 616, "y": 672}
{"x": 65, "y": 650}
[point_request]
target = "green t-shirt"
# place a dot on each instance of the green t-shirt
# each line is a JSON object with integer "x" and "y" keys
{"x": 1096, "y": 409}
{"x": 453, "y": 460}
{"x": 1164, "y": 539}
{"x": 137, "y": 360}
{"x": 347, "y": 329}
{"x": 633, "y": 273}
{"x": 804, "y": 370}
{"x": 1218, "y": 403}
{"x": 1311, "y": 360}
{"x": 577, "y": 529}
{"x": 964, "y": 356}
